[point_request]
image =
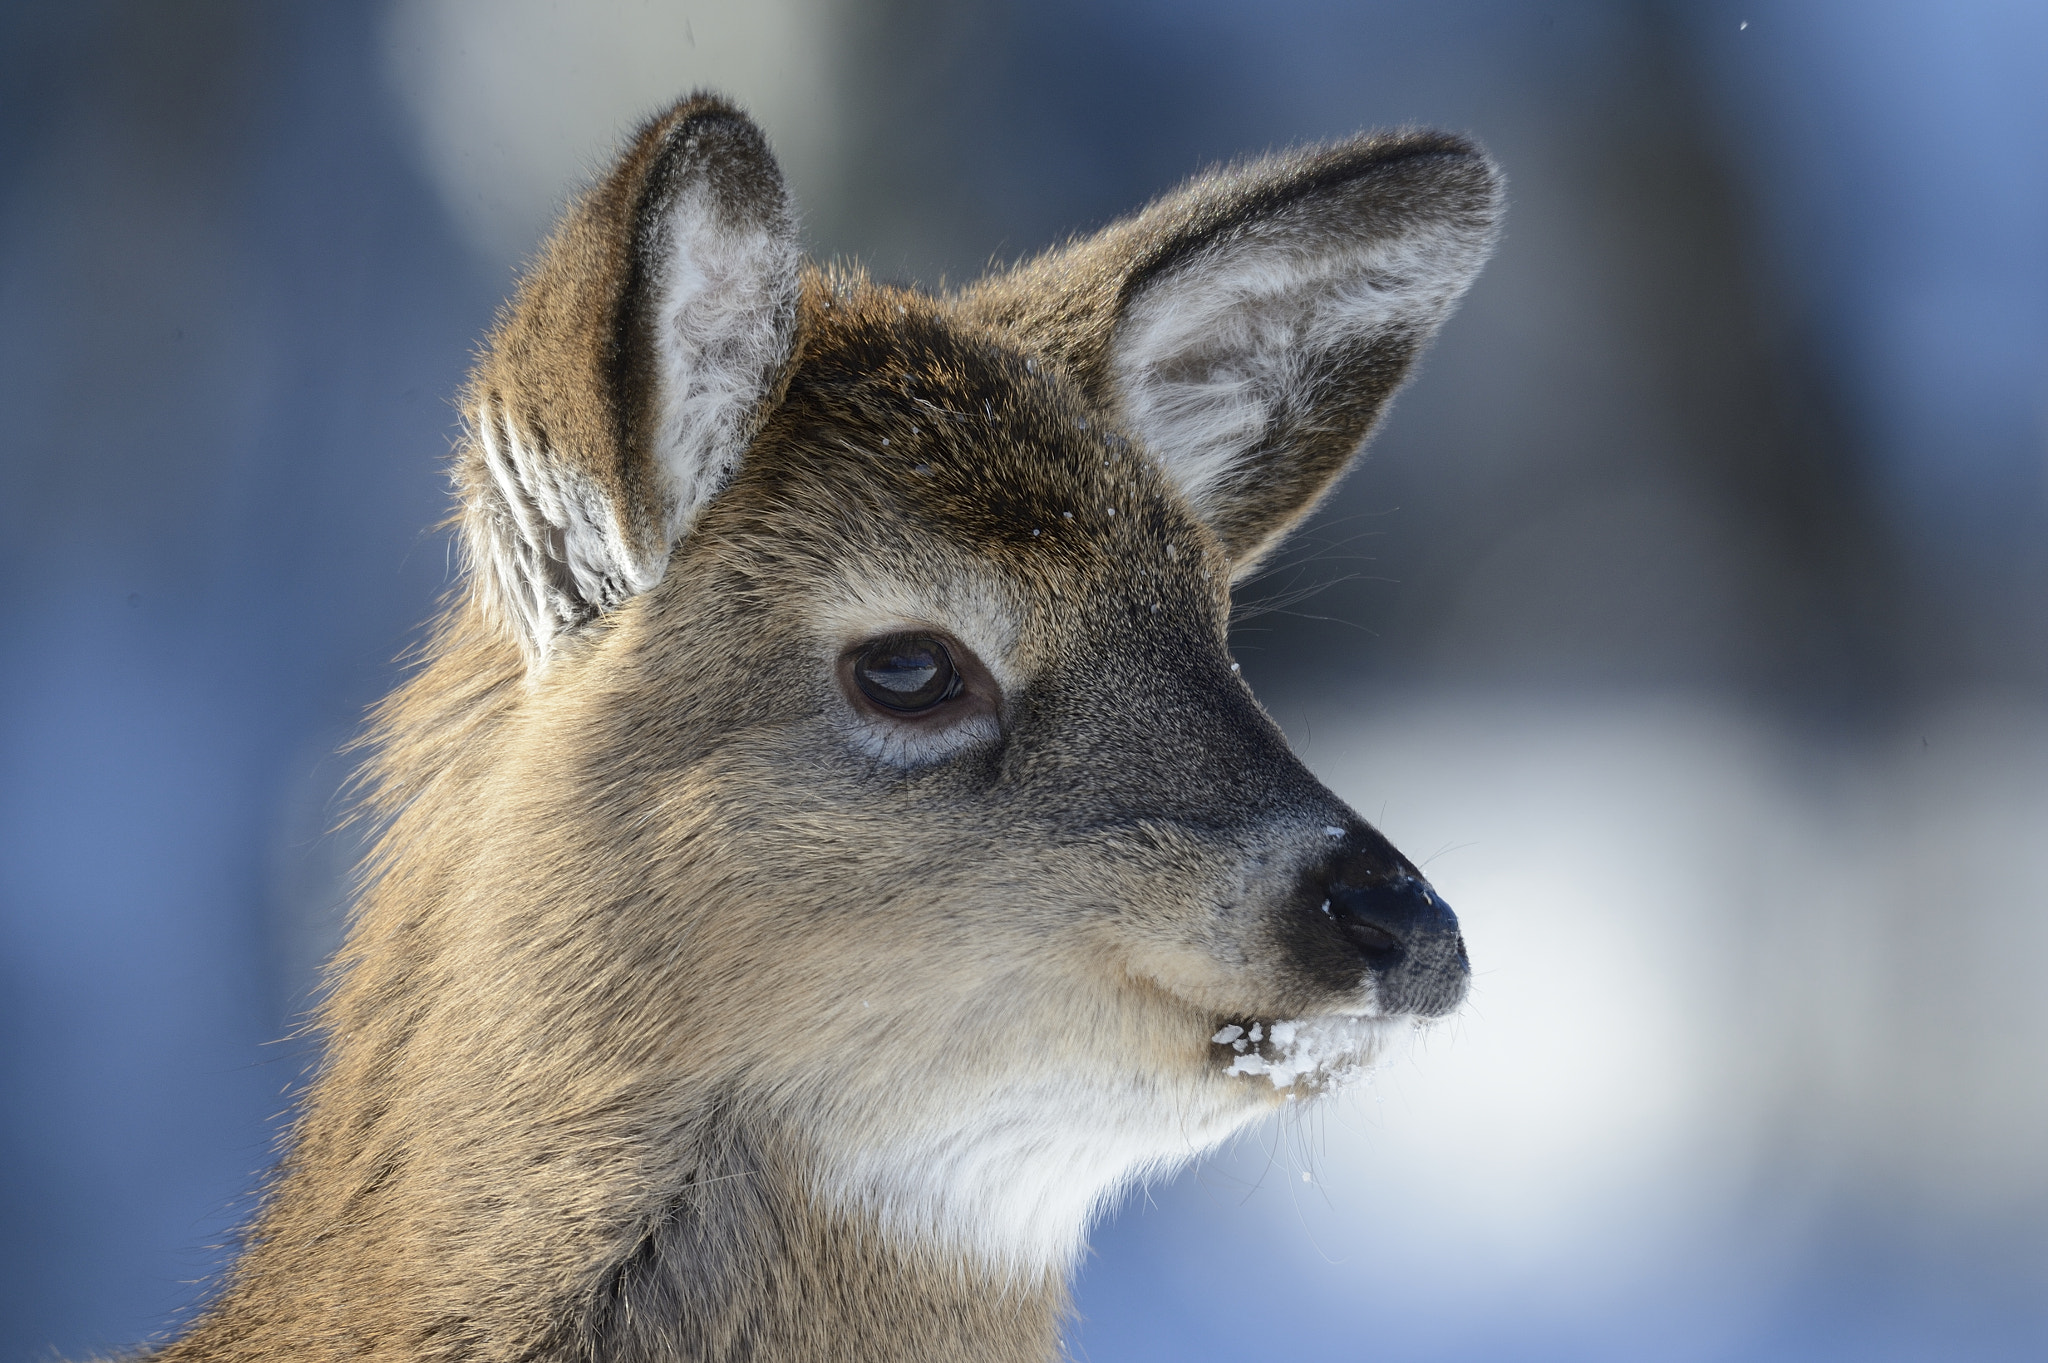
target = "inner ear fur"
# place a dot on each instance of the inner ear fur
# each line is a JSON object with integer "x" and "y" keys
{"x": 1249, "y": 328}
{"x": 619, "y": 391}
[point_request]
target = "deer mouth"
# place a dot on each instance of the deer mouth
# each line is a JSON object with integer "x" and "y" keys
{"x": 1302, "y": 1057}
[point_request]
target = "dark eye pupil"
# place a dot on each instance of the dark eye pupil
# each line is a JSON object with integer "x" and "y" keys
{"x": 906, "y": 674}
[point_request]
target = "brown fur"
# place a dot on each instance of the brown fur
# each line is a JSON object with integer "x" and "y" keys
{"x": 656, "y": 968}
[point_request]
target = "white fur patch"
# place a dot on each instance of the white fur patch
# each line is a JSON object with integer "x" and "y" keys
{"x": 1212, "y": 354}
{"x": 1013, "y": 1167}
{"x": 974, "y": 607}
{"x": 1014, "y": 1177}
{"x": 724, "y": 326}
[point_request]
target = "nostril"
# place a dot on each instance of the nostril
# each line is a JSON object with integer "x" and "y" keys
{"x": 1388, "y": 917}
{"x": 1382, "y": 949}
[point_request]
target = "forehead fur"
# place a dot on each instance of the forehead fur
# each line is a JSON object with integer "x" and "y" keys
{"x": 913, "y": 437}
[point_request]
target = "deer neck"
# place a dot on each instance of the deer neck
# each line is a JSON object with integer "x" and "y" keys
{"x": 388, "y": 1253}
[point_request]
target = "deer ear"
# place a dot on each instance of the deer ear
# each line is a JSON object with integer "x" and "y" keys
{"x": 1249, "y": 329}
{"x": 636, "y": 363}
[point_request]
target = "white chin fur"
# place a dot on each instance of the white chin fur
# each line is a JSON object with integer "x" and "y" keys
{"x": 1015, "y": 1180}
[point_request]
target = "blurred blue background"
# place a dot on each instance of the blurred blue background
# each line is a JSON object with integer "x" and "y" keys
{"x": 1691, "y": 615}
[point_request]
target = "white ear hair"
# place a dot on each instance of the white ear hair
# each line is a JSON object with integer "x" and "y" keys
{"x": 726, "y": 294}
{"x": 1245, "y": 346}
{"x": 554, "y": 549}
{"x": 1210, "y": 355}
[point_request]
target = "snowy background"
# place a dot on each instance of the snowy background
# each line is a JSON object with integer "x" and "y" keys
{"x": 1690, "y": 620}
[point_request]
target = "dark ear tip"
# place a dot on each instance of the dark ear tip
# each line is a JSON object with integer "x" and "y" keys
{"x": 699, "y": 111}
{"x": 1435, "y": 175}
{"x": 703, "y": 114}
{"x": 707, "y": 129}
{"x": 1450, "y": 160}
{"x": 705, "y": 134}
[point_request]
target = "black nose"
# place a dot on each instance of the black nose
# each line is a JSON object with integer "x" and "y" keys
{"x": 1401, "y": 928}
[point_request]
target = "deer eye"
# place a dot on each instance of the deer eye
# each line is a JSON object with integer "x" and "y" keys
{"x": 908, "y": 673}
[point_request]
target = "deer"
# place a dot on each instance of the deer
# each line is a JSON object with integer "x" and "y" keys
{"x": 825, "y": 849}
